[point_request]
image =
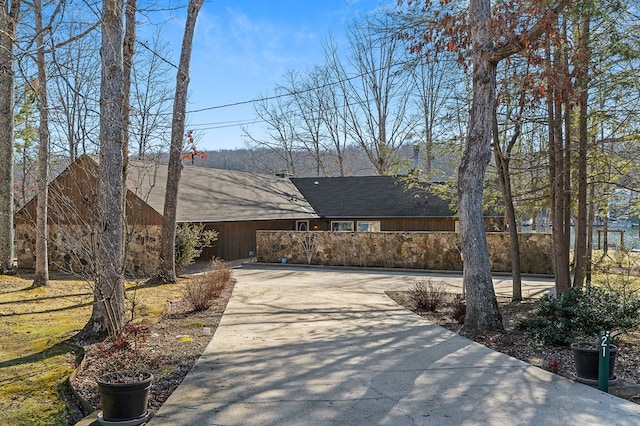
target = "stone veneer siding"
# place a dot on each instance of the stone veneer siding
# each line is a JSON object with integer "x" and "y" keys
{"x": 68, "y": 248}
{"x": 416, "y": 250}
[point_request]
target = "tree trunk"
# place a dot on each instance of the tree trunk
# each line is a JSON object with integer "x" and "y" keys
{"x": 167, "y": 271}
{"x": 482, "y": 307}
{"x": 582, "y": 255}
{"x": 567, "y": 108}
{"x": 128, "y": 51}
{"x": 108, "y": 313}
{"x": 502, "y": 164}
{"x": 590, "y": 221}
{"x": 41, "y": 276}
{"x": 9, "y": 15}
{"x": 556, "y": 173}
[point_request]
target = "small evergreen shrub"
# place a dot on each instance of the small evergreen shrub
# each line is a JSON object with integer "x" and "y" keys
{"x": 204, "y": 288}
{"x": 191, "y": 239}
{"x": 579, "y": 314}
{"x": 605, "y": 310}
{"x": 426, "y": 295}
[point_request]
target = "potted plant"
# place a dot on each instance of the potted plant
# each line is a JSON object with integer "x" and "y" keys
{"x": 599, "y": 310}
{"x": 124, "y": 396}
{"x": 126, "y": 385}
{"x": 586, "y": 357}
{"x": 577, "y": 316}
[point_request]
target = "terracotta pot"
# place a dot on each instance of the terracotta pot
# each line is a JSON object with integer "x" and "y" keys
{"x": 124, "y": 397}
{"x": 587, "y": 361}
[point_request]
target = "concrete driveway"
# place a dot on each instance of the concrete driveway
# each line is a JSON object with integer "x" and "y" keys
{"x": 301, "y": 346}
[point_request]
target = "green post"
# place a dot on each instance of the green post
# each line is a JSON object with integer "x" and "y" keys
{"x": 603, "y": 360}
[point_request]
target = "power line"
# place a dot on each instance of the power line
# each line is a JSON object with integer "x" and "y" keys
{"x": 224, "y": 126}
{"x": 297, "y": 92}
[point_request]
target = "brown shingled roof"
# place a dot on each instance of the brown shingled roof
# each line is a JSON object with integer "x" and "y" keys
{"x": 214, "y": 195}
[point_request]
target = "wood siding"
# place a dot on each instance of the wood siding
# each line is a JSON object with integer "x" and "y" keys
{"x": 407, "y": 223}
{"x": 237, "y": 239}
{"x": 73, "y": 199}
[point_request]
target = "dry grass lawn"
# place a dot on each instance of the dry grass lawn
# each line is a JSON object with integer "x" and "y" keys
{"x": 35, "y": 361}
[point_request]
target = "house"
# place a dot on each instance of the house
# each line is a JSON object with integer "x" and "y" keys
{"x": 358, "y": 204}
{"x": 377, "y": 203}
{"x": 236, "y": 204}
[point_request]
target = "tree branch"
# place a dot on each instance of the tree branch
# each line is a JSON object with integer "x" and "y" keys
{"x": 517, "y": 44}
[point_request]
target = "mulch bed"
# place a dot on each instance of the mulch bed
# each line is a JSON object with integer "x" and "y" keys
{"x": 168, "y": 349}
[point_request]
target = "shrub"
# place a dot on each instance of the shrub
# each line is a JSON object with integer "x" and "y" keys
{"x": 553, "y": 364}
{"x": 607, "y": 310}
{"x": 555, "y": 323}
{"x": 426, "y": 295}
{"x": 132, "y": 336}
{"x": 190, "y": 241}
{"x": 579, "y": 314}
{"x": 203, "y": 289}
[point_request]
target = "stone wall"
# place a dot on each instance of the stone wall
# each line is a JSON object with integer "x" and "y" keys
{"x": 70, "y": 248}
{"x": 416, "y": 250}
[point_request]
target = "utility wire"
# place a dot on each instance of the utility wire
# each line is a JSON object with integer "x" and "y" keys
{"x": 297, "y": 92}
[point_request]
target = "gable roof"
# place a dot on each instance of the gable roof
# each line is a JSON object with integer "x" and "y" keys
{"x": 205, "y": 194}
{"x": 214, "y": 195}
{"x": 369, "y": 197}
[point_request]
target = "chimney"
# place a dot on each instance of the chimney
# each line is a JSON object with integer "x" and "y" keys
{"x": 284, "y": 174}
{"x": 416, "y": 158}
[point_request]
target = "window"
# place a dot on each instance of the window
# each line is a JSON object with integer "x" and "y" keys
{"x": 302, "y": 225}
{"x": 368, "y": 226}
{"x": 342, "y": 226}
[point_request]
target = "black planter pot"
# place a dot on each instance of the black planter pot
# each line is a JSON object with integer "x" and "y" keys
{"x": 124, "y": 397}
{"x": 586, "y": 361}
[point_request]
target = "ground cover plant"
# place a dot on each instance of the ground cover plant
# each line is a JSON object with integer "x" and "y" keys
{"x": 37, "y": 355}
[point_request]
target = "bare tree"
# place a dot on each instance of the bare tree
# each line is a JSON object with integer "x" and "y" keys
{"x": 9, "y": 15}
{"x": 128, "y": 49}
{"x": 151, "y": 97}
{"x": 333, "y": 109}
{"x": 378, "y": 114}
{"x": 435, "y": 84}
{"x": 166, "y": 271}
{"x": 41, "y": 276}
{"x": 108, "y": 314}
{"x": 307, "y": 95}
{"x": 75, "y": 78}
{"x": 281, "y": 137}
{"x": 482, "y": 307}
{"x": 503, "y": 153}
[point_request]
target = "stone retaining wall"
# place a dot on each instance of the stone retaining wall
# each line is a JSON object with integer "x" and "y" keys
{"x": 416, "y": 250}
{"x": 69, "y": 248}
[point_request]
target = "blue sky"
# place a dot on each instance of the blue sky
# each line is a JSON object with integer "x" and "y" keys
{"x": 243, "y": 47}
